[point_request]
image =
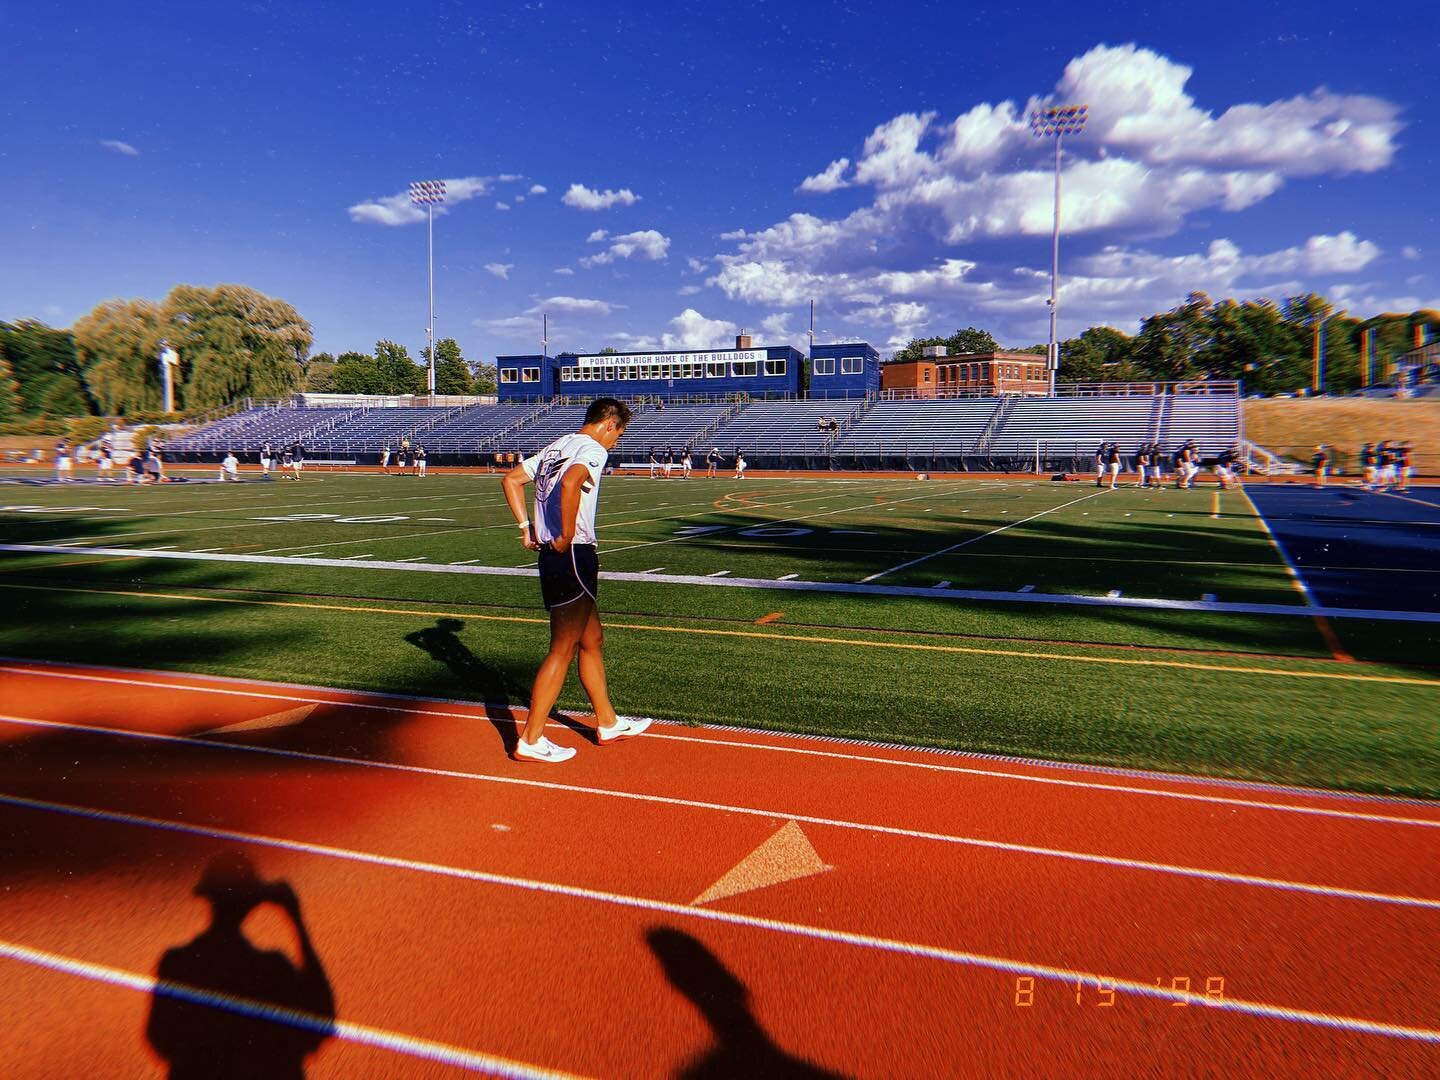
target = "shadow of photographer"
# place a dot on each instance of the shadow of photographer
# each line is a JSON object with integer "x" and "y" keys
{"x": 741, "y": 1046}
{"x": 224, "y": 1008}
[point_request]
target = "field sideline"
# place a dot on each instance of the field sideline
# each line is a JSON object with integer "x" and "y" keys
{"x": 397, "y": 584}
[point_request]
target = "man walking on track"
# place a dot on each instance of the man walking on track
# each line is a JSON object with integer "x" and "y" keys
{"x": 567, "y": 488}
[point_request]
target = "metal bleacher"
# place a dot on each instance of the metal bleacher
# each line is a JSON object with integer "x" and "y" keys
{"x": 1075, "y": 425}
{"x": 946, "y": 427}
{"x": 786, "y": 427}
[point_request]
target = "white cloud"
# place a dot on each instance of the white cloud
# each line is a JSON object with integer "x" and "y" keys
{"x": 596, "y": 236}
{"x": 507, "y": 177}
{"x": 1411, "y": 252}
{"x": 689, "y": 290}
{"x": 694, "y": 265}
{"x": 502, "y": 206}
{"x": 583, "y": 198}
{"x": 538, "y": 189}
{"x": 120, "y": 147}
{"x": 646, "y": 244}
{"x": 694, "y": 331}
{"x": 943, "y": 193}
{"x": 517, "y": 199}
{"x": 832, "y": 179}
{"x": 500, "y": 270}
{"x": 397, "y": 209}
{"x": 567, "y": 271}
{"x": 572, "y": 305}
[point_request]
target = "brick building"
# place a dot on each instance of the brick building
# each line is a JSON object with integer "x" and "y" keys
{"x": 965, "y": 374}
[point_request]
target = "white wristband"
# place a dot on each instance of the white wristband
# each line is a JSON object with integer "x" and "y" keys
{"x": 524, "y": 524}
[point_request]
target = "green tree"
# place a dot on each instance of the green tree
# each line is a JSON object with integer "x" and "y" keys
{"x": 9, "y": 390}
{"x": 46, "y": 369}
{"x": 1096, "y": 355}
{"x": 398, "y": 373}
{"x": 1169, "y": 344}
{"x": 484, "y": 379}
{"x": 234, "y": 342}
{"x": 452, "y": 374}
{"x": 319, "y": 375}
{"x": 969, "y": 340}
{"x": 119, "y": 348}
{"x": 357, "y": 373}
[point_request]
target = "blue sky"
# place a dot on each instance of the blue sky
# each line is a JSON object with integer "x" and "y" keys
{"x": 661, "y": 175}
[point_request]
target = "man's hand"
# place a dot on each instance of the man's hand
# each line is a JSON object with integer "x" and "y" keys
{"x": 561, "y": 544}
{"x": 527, "y": 537}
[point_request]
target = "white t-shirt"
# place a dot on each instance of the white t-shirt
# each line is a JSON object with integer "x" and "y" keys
{"x": 548, "y": 467}
{"x": 231, "y": 463}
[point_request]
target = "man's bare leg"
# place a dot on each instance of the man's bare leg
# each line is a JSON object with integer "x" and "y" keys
{"x": 592, "y": 670}
{"x": 567, "y": 624}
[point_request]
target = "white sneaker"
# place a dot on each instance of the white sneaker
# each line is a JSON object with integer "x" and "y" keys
{"x": 625, "y": 727}
{"x": 543, "y": 750}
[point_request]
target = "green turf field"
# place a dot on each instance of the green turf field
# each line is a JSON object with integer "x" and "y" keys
{"x": 1214, "y": 691}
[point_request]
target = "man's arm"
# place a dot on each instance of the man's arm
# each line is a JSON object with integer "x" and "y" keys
{"x": 513, "y": 484}
{"x": 571, "y": 483}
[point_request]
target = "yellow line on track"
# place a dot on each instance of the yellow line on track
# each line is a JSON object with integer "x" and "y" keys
{"x": 810, "y": 639}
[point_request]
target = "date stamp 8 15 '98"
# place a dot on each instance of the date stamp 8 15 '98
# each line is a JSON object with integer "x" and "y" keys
{"x": 1100, "y": 993}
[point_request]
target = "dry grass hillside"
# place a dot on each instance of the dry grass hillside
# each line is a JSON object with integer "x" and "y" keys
{"x": 1343, "y": 423}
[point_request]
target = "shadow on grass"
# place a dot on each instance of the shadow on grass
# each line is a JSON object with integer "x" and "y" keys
{"x": 484, "y": 682}
{"x": 741, "y": 1046}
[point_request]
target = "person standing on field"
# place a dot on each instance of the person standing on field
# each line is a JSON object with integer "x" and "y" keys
{"x": 566, "y": 475}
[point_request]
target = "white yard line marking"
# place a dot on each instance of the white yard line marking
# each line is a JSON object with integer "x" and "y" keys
{"x": 718, "y": 573}
{"x": 689, "y": 912}
{"x": 292, "y": 693}
{"x": 653, "y": 570}
{"x": 348, "y": 558}
{"x": 975, "y": 539}
{"x": 787, "y": 582}
{"x": 1295, "y": 577}
{"x": 787, "y": 577}
{"x": 462, "y": 562}
{"x": 1026, "y": 588}
{"x": 414, "y": 558}
{"x": 349, "y": 1031}
{"x": 941, "y": 584}
{"x": 301, "y": 555}
{"x": 202, "y": 551}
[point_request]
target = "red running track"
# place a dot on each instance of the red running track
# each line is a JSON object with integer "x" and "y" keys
{"x": 475, "y": 913}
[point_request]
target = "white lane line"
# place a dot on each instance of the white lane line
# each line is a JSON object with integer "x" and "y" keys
{"x": 463, "y": 562}
{"x": 1113, "y": 861}
{"x": 975, "y": 539}
{"x": 688, "y": 911}
{"x": 414, "y": 558}
{"x": 941, "y": 584}
{"x": 348, "y": 1030}
{"x": 300, "y": 555}
{"x": 653, "y": 570}
{"x": 348, "y": 558}
{"x": 786, "y": 582}
{"x": 1026, "y": 588}
{"x": 204, "y": 550}
{"x": 265, "y": 690}
{"x": 718, "y": 573}
{"x": 167, "y": 547}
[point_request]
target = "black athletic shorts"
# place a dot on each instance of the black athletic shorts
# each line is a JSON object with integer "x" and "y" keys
{"x": 567, "y": 576}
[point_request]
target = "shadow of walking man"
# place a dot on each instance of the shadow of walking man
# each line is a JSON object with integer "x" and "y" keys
{"x": 493, "y": 686}
{"x": 742, "y": 1047}
{"x": 223, "y": 1008}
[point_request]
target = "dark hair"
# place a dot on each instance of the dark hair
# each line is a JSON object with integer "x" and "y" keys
{"x": 602, "y": 409}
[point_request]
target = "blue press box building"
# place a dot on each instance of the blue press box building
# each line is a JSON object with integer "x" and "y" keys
{"x": 847, "y": 370}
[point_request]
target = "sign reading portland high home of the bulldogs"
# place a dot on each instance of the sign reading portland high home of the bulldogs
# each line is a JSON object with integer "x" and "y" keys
{"x": 725, "y": 356}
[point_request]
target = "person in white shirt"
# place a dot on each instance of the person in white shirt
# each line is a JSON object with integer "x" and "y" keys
{"x": 567, "y": 475}
{"x": 230, "y": 467}
{"x": 686, "y": 465}
{"x": 740, "y": 465}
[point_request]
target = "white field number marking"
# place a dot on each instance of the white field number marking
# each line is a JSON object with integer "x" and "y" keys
{"x": 373, "y": 519}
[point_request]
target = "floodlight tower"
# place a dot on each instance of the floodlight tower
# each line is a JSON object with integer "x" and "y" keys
{"x": 1057, "y": 121}
{"x": 427, "y": 193}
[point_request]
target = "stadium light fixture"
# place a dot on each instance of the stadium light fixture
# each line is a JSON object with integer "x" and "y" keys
{"x": 427, "y": 193}
{"x": 1056, "y": 122}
